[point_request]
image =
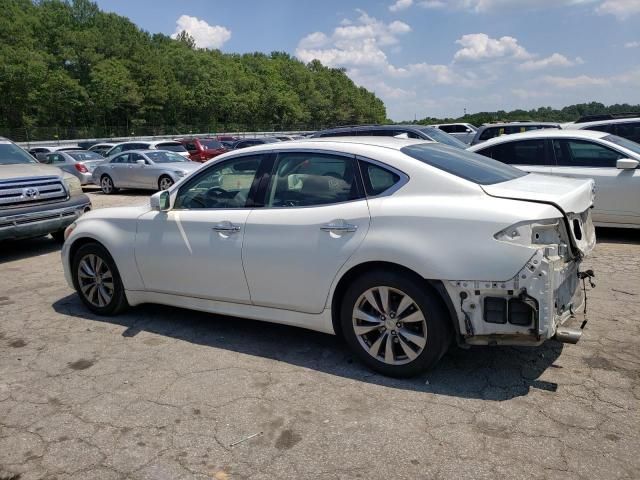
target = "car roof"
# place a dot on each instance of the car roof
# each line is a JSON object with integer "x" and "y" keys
{"x": 586, "y": 125}
{"x": 543, "y": 133}
{"x": 516, "y": 124}
{"x": 336, "y": 143}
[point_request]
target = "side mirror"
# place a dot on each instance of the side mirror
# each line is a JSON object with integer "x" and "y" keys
{"x": 160, "y": 201}
{"x": 141, "y": 162}
{"x": 627, "y": 164}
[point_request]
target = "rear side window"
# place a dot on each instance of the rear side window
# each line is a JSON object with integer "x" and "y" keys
{"x": 526, "y": 152}
{"x": 470, "y": 166}
{"x": 377, "y": 179}
{"x": 607, "y": 128}
{"x": 581, "y": 153}
{"x": 490, "y": 133}
{"x": 629, "y": 131}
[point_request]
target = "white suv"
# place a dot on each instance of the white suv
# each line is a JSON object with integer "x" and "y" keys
{"x": 400, "y": 246}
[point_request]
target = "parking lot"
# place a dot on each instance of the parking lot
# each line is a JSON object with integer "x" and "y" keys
{"x": 164, "y": 393}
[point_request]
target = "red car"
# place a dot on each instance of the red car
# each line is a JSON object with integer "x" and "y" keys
{"x": 202, "y": 149}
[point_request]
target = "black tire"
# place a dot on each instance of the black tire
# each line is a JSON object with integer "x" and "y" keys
{"x": 118, "y": 302}
{"x": 436, "y": 319}
{"x": 107, "y": 180}
{"x": 58, "y": 236}
{"x": 165, "y": 178}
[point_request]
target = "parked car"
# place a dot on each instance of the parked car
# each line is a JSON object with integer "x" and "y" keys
{"x": 492, "y": 130}
{"x": 251, "y": 142}
{"x": 146, "y": 169}
{"x": 79, "y": 163}
{"x": 39, "y": 153}
{"x": 397, "y": 245}
{"x": 36, "y": 199}
{"x": 286, "y": 138}
{"x": 203, "y": 149}
{"x": 227, "y": 138}
{"x": 170, "y": 145}
{"x": 401, "y": 131}
{"x": 627, "y": 127}
{"x": 102, "y": 148}
{"x": 610, "y": 160}
{"x": 462, "y": 131}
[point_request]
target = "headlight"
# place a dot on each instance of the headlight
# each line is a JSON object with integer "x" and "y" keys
{"x": 73, "y": 185}
{"x": 180, "y": 173}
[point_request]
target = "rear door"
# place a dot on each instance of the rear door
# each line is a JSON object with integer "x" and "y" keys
{"x": 532, "y": 156}
{"x": 315, "y": 217}
{"x": 616, "y": 196}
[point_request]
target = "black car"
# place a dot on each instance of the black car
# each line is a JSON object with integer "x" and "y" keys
{"x": 407, "y": 131}
{"x": 252, "y": 142}
{"x": 492, "y": 130}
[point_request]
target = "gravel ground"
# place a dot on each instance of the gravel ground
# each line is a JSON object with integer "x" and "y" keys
{"x": 164, "y": 393}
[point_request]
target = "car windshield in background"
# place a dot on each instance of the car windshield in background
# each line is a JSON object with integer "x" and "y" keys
{"x": 442, "y": 137}
{"x": 11, "y": 154}
{"x": 172, "y": 147}
{"x": 83, "y": 156}
{"x": 623, "y": 142}
{"x": 211, "y": 144}
{"x": 166, "y": 157}
{"x": 463, "y": 164}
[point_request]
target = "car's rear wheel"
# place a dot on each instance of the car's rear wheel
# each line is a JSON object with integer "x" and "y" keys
{"x": 97, "y": 280}
{"x": 165, "y": 182}
{"x": 106, "y": 184}
{"x": 394, "y": 323}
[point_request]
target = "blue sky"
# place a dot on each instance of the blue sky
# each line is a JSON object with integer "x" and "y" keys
{"x": 431, "y": 57}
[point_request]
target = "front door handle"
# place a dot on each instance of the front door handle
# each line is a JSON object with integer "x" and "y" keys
{"x": 226, "y": 227}
{"x": 339, "y": 226}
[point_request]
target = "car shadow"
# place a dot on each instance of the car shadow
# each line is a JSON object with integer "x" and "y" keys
{"x": 618, "y": 235}
{"x": 127, "y": 192}
{"x": 12, "y": 250}
{"x": 491, "y": 373}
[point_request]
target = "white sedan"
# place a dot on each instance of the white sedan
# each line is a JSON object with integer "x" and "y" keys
{"x": 611, "y": 161}
{"x": 400, "y": 246}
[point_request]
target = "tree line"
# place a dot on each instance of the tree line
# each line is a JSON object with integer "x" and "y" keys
{"x": 68, "y": 64}
{"x": 542, "y": 114}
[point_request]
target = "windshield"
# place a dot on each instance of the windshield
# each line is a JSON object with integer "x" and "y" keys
{"x": 172, "y": 147}
{"x": 442, "y": 137}
{"x": 166, "y": 157}
{"x": 11, "y": 154}
{"x": 623, "y": 142}
{"x": 211, "y": 144}
{"x": 463, "y": 164}
{"x": 83, "y": 156}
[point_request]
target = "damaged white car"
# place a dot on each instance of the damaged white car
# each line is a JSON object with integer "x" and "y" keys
{"x": 400, "y": 246}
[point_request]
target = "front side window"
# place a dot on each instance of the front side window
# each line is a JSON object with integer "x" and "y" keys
{"x": 55, "y": 158}
{"x": 582, "y": 153}
{"x": 629, "y": 130}
{"x": 124, "y": 158}
{"x": 116, "y": 150}
{"x": 377, "y": 180}
{"x": 470, "y": 166}
{"x": 312, "y": 179}
{"x": 223, "y": 185}
{"x": 525, "y": 152}
{"x": 490, "y": 133}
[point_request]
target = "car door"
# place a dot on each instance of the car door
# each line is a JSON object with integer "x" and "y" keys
{"x": 616, "y": 196}
{"x": 532, "y": 156}
{"x": 117, "y": 169}
{"x": 195, "y": 248}
{"x": 315, "y": 217}
{"x": 141, "y": 176}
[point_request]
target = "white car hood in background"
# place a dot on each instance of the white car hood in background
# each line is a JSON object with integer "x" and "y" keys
{"x": 569, "y": 194}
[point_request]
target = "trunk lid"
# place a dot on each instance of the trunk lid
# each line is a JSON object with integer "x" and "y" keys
{"x": 573, "y": 197}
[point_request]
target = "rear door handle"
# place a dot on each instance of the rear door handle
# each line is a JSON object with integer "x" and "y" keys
{"x": 226, "y": 227}
{"x": 338, "y": 227}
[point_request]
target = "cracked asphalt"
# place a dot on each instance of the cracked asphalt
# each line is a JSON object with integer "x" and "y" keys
{"x": 165, "y": 393}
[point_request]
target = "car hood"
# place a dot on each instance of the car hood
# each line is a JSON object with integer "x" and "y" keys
{"x": 22, "y": 170}
{"x": 186, "y": 166}
{"x": 573, "y": 197}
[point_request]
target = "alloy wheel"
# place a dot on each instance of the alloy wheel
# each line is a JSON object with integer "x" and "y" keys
{"x": 389, "y": 325}
{"x": 165, "y": 183}
{"x": 106, "y": 184}
{"x": 95, "y": 280}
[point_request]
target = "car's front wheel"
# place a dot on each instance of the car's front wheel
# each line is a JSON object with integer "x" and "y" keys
{"x": 97, "y": 280}
{"x": 165, "y": 182}
{"x": 394, "y": 323}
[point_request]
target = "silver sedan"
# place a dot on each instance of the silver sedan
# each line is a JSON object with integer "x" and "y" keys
{"x": 79, "y": 163}
{"x": 146, "y": 169}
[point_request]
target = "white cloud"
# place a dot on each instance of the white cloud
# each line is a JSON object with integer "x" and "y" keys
{"x": 482, "y": 6}
{"x": 479, "y": 46}
{"x": 400, "y": 5}
{"x": 632, "y": 45}
{"x": 205, "y": 35}
{"x": 576, "y": 82}
{"x": 621, "y": 9}
{"x": 554, "y": 60}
